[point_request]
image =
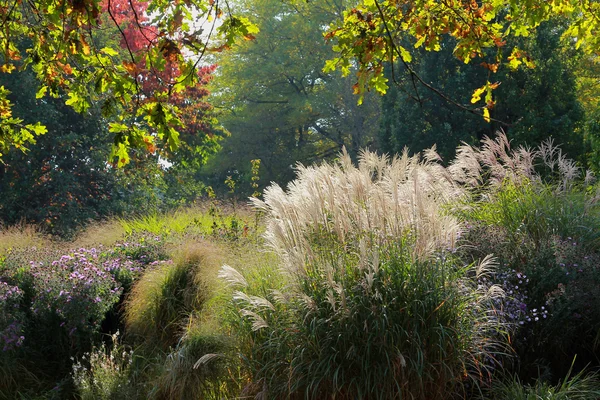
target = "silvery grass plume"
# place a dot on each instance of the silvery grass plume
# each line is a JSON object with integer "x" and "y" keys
{"x": 360, "y": 209}
{"x": 495, "y": 161}
{"x": 359, "y": 245}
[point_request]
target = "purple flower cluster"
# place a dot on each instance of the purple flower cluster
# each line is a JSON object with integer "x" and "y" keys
{"x": 10, "y": 317}
{"x": 513, "y": 308}
{"x": 77, "y": 288}
{"x": 72, "y": 291}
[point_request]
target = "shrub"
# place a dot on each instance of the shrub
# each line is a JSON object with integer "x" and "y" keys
{"x": 126, "y": 260}
{"x": 535, "y": 213}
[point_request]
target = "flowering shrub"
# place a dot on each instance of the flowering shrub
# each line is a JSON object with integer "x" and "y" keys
{"x": 76, "y": 288}
{"x": 552, "y": 294}
{"x": 43, "y": 291}
{"x": 127, "y": 259}
{"x": 11, "y": 326}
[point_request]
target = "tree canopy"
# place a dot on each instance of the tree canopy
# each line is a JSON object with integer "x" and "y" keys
{"x": 376, "y": 32}
{"x": 135, "y": 58}
{"x": 141, "y": 61}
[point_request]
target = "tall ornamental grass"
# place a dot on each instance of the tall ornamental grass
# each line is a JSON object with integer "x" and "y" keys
{"x": 538, "y": 212}
{"x": 373, "y": 305}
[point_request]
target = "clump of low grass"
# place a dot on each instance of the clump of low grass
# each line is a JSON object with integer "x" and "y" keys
{"x": 582, "y": 386}
{"x": 17, "y": 380}
{"x": 167, "y": 294}
{"x": 196, "y": 368}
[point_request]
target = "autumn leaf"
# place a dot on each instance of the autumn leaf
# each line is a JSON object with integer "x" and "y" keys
{"x": 491, "y": 67}
{"x": 477, "y": 94}
{"x": 486, "y": 115}
{"x": 130, "y": 67}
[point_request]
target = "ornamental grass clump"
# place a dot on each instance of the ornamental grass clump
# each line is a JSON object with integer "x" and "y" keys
{"x": 538, "y": 213}
{"x": 196, "y": 367}
{"x": 164, "y": 297}
{"x": 374, "y": 304}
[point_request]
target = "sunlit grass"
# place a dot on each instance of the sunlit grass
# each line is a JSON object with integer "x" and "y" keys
{"x": 105, "y": 233}
{"x": 582, "y": 386}
{"x": 22, "y": 236}
{"x": 209, "y": 219}
{"x": 168, "y": 293}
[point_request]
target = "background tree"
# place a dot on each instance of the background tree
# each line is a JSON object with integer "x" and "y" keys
{"x": 530, "y": 104}
{"x": 277, "y": 103}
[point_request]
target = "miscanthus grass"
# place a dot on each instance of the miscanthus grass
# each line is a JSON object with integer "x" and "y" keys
{"x": 374, "y": 305}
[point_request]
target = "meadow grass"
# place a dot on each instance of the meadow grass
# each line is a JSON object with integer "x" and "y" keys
{"x": 359, "y": 287}
{"x": 22, "y": 236}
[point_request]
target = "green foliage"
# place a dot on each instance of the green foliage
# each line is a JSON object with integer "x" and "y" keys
{"x": 284, "y": 109}
{"x": 530, "y": 105}
{"x": 216, "y": 220}
{"x": 536, "y": 213}
{"x": 63, "y": 45}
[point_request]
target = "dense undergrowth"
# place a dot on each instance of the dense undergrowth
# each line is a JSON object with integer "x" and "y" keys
{"x": 392, "y": 279}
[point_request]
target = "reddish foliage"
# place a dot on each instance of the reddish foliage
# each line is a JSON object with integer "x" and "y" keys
{"x": 139, "y": 36}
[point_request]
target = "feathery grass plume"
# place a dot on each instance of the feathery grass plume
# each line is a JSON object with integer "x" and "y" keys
{"x": 495, "y": 162}
{"x": 375, "y": 202}
{"x": 531, "y": 193}
{"x": 232, "y": 276}
{"x": 375, "y": 306}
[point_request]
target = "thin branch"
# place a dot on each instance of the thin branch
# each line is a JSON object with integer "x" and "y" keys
{"x": 137, "y": 87}
{"x": 422, "y": 82}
